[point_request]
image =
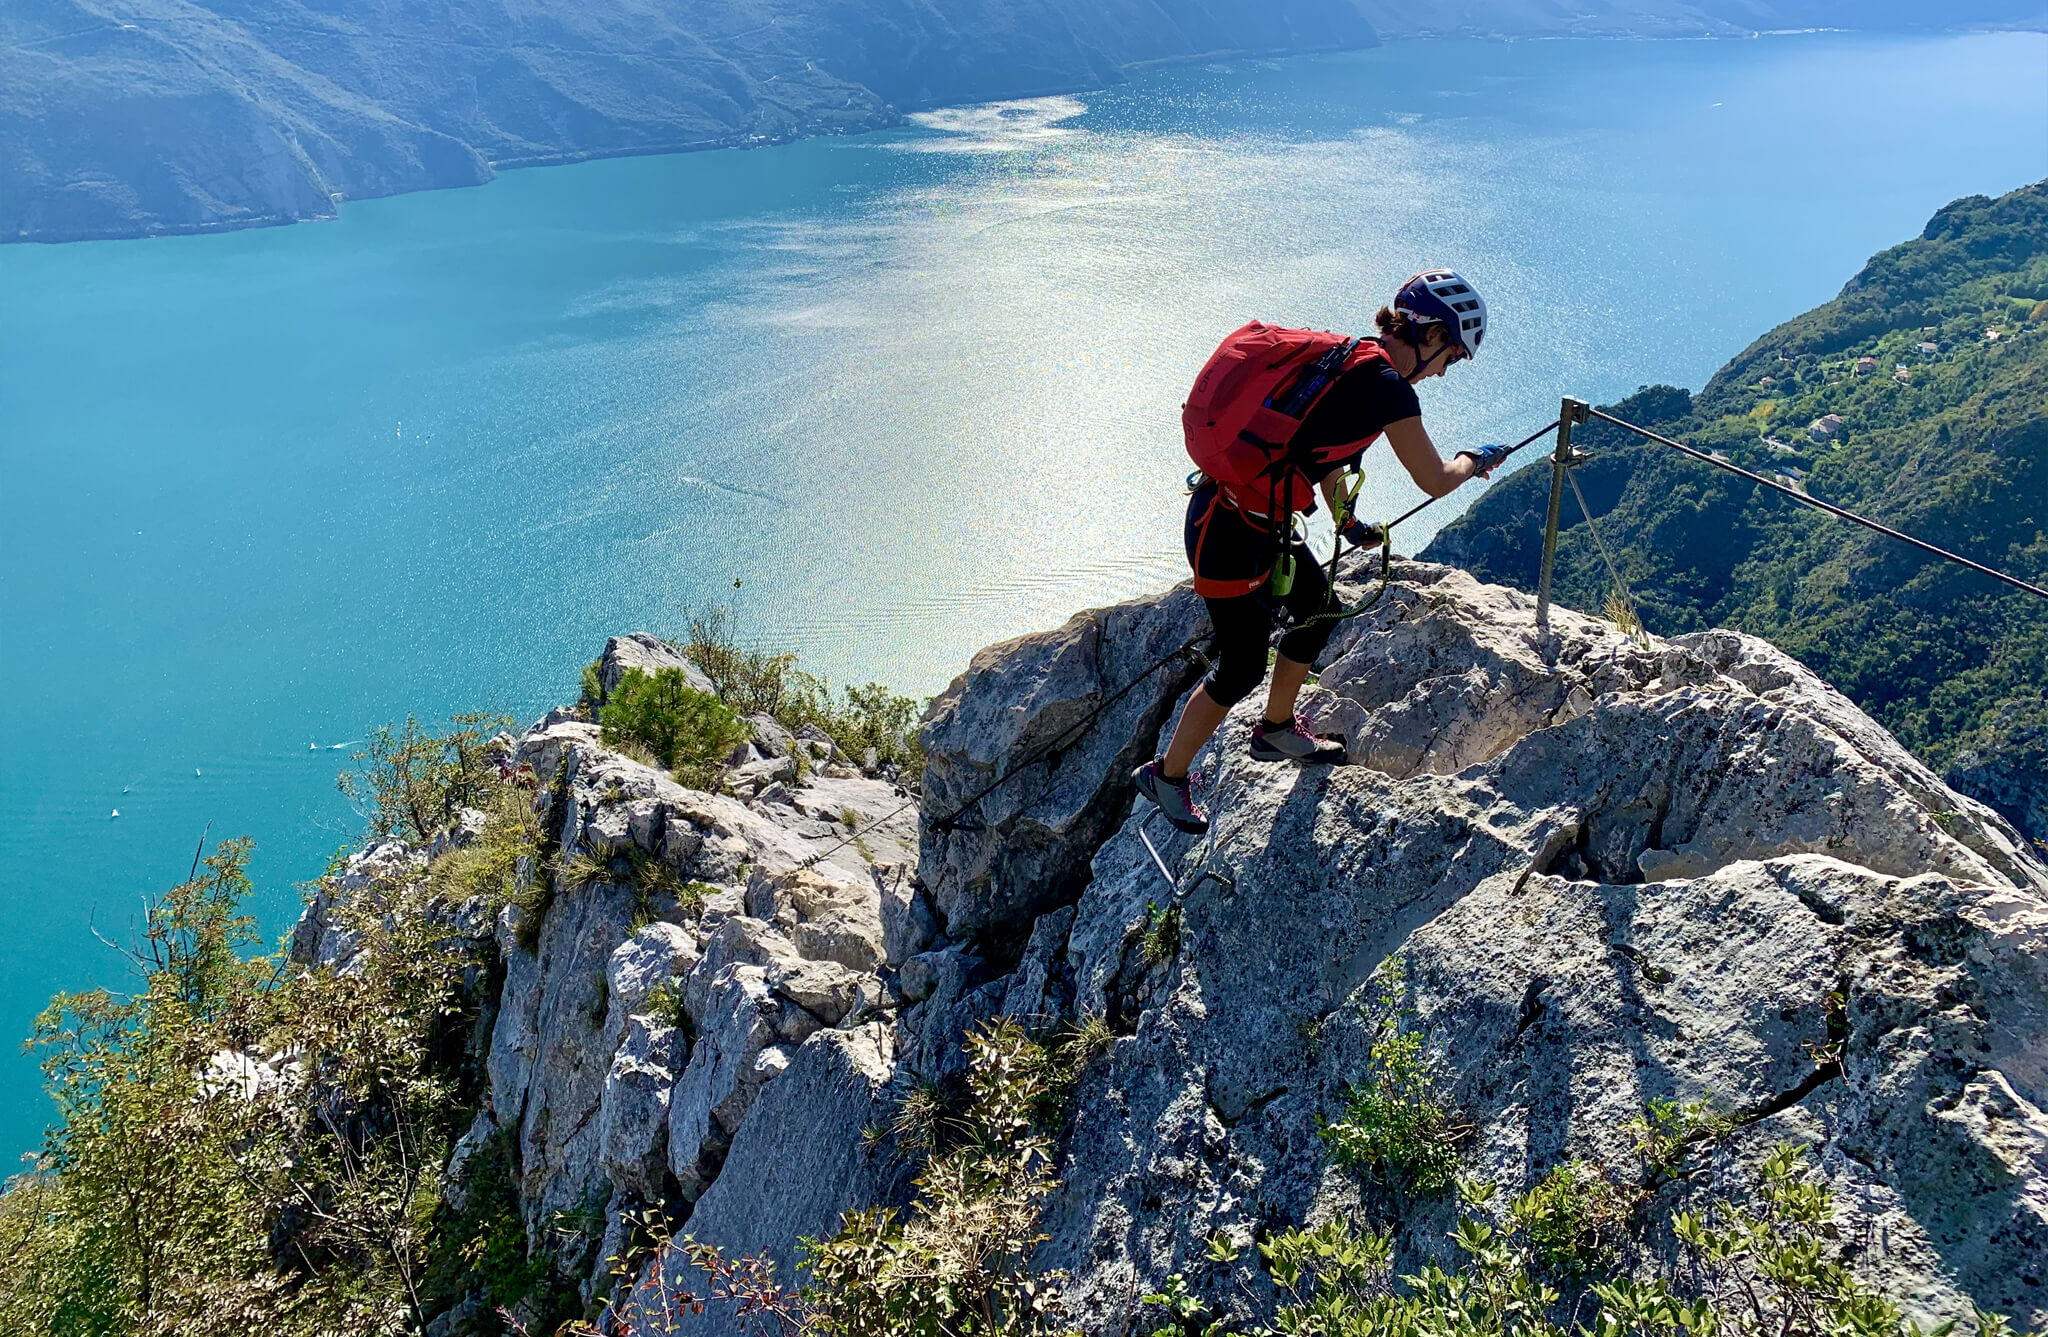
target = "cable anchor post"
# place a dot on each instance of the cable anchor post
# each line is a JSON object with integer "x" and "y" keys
{"x": 1572, "y": 411}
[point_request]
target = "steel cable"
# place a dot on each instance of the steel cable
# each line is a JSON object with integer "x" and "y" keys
{"x": 1840, "y": 513}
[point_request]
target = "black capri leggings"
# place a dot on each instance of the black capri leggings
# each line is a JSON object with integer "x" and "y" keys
{"x": 1244, "y": 627}
{"x": 1229, "y": 550}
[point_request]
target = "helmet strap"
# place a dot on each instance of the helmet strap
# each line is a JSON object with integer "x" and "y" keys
{"x": 1422, "y": 363}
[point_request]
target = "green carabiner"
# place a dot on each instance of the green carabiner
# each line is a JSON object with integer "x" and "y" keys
{"x": 1281, "y": 582}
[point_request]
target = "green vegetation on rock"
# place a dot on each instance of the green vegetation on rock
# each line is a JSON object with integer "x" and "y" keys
{"x": 687, "y": 731}
{"x": 769, "y": 682}
{"x": 1753, "y": 1265}
{"x": 250, "y": 1141}
{"x": 1919, "y": 397}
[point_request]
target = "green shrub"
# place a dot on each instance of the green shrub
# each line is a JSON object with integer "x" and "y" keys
{"x": 1761, "y": 1267}
{"x": 760, "y": 682}
{"x": 482, "y": 1249}
{"x": 1161, "y": 942}
{"x": 243, "y": 1144}
{"x": 415, "y": 783}
{"x": 1395, "y": 1126}
{"x": 1573, "y": 1219}
{"x": 688, "y": 731}
{"x": 489, "y": 866}
{"x": 1669, "y": 1129}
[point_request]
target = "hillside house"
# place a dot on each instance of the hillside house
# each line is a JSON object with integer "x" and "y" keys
{"x": 1930, "y": 350}
{"x": 1825, "y": 428}
{"x": 1902, "y": 374}
{"x": 1865, "y": 365}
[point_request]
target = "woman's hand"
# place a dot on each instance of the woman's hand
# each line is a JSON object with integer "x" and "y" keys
{"x": 1359, "y": 534}
{"x": 1485, "y": 459}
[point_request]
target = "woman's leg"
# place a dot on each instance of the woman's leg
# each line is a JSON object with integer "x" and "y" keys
{"x": 1288, "y": 676}
{"x": 1299, "y": 648}
{"x": 1242, "y": 625}
{"x": 1198, "y": 723}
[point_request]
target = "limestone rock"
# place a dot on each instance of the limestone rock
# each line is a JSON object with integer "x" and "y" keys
{"x": 1031, "y": 851}
{"x": 770, "y": 738}
{"x": 559, "y": 1135}
{"x": 907, "y": 920}
{"x": 648, "y": 653}
{"x": 1587, "y": 872}
{"x": 836, "y": 1088}
{"x": 455, "y": 1180}
{"x": 735, "y": 1022}
{"x": 658, "y": 954}
{"x": 633, "y": 1122}
{"x": 1039, "y": 991}
{"x": 829, "y": 917}
{"x": 1685, "y": 884}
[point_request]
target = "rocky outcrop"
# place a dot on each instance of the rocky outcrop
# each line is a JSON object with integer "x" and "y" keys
{"x": 650, "y": 655}
{"x": 643, "y": 1011}
{"x": 1591, "y": 873}
{"x": 1588, "y": 873}
{"x": 1024, "y": 847}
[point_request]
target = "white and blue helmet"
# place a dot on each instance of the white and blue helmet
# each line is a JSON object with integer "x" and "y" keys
{"x": 1442, "y": 297}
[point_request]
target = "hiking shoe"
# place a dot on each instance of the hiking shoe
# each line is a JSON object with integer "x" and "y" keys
{"x": 1176, "y": 798}
{"x": 1291, "y": 742}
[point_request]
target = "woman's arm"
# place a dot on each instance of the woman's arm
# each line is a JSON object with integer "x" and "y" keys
{"x": 1418, "y": 456}
{"x": 1333, "y": 491}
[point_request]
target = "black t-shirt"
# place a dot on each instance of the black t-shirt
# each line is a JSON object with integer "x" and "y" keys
{"x": 1360, "y": 405}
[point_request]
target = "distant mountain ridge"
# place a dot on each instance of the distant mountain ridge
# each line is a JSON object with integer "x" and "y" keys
{"x": 1919, "y": 397}
{"x": 132, "y": 117}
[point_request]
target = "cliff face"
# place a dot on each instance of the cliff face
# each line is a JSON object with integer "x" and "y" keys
{"x": 1590, "y": 873}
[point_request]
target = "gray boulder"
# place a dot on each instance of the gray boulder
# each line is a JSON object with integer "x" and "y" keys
{"x": 633, "y": 1120}
{"x": 560, "y": 1139}
{"x": 827, "y": 917}
{"x": 1029, "y": 851}
{"x": 736, "y": 1024}
{"x": 648, "y": 653}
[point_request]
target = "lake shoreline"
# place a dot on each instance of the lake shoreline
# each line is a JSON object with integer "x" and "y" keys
{"x": 896, "y": 118}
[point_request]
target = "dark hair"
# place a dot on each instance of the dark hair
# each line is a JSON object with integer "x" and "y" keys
{"x": 1397, "y": 325}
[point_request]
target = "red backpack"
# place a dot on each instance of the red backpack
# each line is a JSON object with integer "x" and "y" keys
{"x": 1249, "y": 402}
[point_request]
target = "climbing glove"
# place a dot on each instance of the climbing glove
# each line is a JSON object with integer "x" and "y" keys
{"x": 1486, "y": 458}
{"x": 1359, "y": 534}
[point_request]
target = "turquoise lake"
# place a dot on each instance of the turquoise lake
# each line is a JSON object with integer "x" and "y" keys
{"x": 915, "y": 391}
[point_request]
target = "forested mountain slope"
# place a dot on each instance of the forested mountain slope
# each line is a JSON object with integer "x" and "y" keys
{"x": 131, "y": 117}
{"x": 1919, "y": 396}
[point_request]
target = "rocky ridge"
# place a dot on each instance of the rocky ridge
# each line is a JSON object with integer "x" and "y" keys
{"x": 1591, "y": 872}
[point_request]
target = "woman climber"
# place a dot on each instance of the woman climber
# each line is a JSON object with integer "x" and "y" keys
{"x": 1274, "y": 412}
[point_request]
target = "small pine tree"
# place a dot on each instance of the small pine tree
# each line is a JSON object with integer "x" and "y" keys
{"x": 688, "y": 731}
